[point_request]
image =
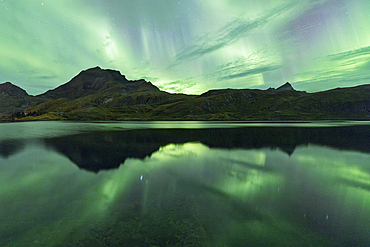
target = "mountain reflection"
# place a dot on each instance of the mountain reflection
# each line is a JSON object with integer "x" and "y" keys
{"x": 10, "y": 147}
{"x": 100, "y": 150}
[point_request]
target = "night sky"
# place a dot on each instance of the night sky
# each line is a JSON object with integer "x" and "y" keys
{"x": 187, "y": 46}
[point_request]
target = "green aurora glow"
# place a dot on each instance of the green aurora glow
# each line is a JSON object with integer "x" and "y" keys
{"x": 187, "y": 46}
{"x": 310, "y": 174}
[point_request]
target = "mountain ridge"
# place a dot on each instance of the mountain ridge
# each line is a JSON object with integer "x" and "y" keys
{"x": 94, "y": 80}
{"x": 286, "y": 86}
{"x": 104, "y": 94}
{"x": 13, "y": 99}
{"x": 12, "y": 90}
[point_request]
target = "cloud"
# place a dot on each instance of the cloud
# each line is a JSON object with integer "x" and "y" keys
{"x": 352, "y": 60}
{"x": 344, "y": 75}
{"x": 46, "y": 77}
{"x": 236, "y": 29}
{"x": 352, "y": 54}
{"x": 349, "y": 68}
{"x": 255, "y": 63}
{"x": 324, "y": 80}
{"x": 178, "y": 86}
{"x": 253, "y": 71}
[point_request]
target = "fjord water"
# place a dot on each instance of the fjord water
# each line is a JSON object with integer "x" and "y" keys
{"x": 184, "y": 184}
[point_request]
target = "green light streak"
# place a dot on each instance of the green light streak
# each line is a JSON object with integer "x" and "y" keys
{"x": 188, "y": 47}
{"x": 38, "y": 182}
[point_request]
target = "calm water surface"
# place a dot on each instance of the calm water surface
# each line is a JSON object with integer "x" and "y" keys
{"x": 184, "y": 184}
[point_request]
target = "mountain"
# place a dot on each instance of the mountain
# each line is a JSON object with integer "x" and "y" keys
{"x": 102, "y": 94}
{"x": 97, "y": 80}
{"x": 14, "y": 99}
{"x": 8, "y": 89}
{"x": 286, "y": 86}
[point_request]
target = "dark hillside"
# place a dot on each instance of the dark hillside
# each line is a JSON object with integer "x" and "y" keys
{"x": 98, "y": 94}
{"x": 97, "y": 80}
{"x": 14, "y": 99}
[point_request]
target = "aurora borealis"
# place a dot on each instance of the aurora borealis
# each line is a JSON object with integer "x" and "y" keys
{"x": 188, "y": 46}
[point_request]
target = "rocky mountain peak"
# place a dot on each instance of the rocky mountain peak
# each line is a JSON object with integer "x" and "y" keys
{"x": 286, "y": 86}
{"x": 10, "y": 89}
{"x": 96, "y": 80}
{"x": 97, "y": 71}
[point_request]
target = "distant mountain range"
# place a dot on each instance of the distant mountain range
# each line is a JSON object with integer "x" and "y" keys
{"x": 99, "y": 94}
